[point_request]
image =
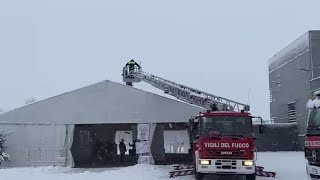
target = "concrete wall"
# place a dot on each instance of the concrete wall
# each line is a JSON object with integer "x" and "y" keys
{"x": 29, "y": 143}
{"x": 104, "y": 102}
{"x": 277, "y": 137}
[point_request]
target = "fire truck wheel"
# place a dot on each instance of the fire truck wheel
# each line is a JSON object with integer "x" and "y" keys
{"x": 198, "y": 176}
{"x": 251, "y": 177}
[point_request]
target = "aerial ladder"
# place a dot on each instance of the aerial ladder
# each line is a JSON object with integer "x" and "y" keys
{"x": 182, "y": 92}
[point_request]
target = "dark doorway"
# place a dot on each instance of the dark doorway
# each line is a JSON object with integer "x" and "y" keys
{"x": 97, "y": 145}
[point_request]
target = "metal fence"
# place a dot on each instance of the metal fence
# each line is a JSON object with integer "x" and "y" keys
{"x": 46, "y": 157}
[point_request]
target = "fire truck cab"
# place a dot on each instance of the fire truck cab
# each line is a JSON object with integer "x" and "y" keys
{"x": 222, "y": 144}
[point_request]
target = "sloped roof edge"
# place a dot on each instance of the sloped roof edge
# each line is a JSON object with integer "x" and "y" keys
{"x": 52, "y": 97}
{"x": 104, "y": 81}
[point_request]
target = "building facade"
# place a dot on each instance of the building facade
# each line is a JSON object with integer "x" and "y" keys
{"x": 294, "y": 74}
{"x": 65, "y": 130}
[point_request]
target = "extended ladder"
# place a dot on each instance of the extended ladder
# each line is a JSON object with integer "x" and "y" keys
{"x": 182, "y": 92}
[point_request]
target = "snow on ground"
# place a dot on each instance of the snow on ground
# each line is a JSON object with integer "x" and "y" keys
{"x": 288, "y": 165}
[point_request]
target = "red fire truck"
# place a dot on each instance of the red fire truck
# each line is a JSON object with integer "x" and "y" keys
{"x": 312, "y": 143}
{"x": 221, "y": 137}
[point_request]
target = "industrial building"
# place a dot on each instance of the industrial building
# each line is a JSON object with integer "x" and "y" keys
{"x": 294, "y": 75}
{"x": 64, "y": 130}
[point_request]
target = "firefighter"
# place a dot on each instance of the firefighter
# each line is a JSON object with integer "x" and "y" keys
{"x": 131, "y": 64}
{"x": 123, "y": 150}
{"x": 133, "y": 150}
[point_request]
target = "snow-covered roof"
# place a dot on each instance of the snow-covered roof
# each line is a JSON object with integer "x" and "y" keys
{"x": 290, "y": 52}
{"x": 313, "y": 103}
{"x": 103, "y": 102}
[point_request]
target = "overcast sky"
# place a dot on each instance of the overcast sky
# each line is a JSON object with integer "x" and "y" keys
{"x": 222, "y": 47}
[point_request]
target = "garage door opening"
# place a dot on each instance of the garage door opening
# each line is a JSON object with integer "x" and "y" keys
{"x": 97, "y": 145}
{"x": 176, "y": 143}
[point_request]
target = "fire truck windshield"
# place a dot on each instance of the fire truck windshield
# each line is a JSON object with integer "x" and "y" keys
{"x": 227, "y": 126}
{"x": 314, "y": 122}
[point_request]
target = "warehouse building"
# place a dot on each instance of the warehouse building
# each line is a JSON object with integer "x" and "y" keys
{"x": 294, "y": 74}
{"x": 65, "y": 130}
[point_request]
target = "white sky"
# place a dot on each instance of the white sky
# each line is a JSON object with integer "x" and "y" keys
{"x": 222, "y": 47}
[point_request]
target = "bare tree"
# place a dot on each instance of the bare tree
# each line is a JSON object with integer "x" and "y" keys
{"x": 30, "y": 100}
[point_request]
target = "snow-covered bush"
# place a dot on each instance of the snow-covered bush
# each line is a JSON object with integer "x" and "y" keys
{"x": 3, "y": 156}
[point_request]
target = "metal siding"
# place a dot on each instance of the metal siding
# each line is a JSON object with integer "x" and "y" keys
{"x": 294, "y": 86}
{"x": 297, "y": 47}
{"x": 104, "y": 102}
{"x": 37, "y": 139}
{"x": 315, "y": 49}
{"x": 294, "y": 78}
